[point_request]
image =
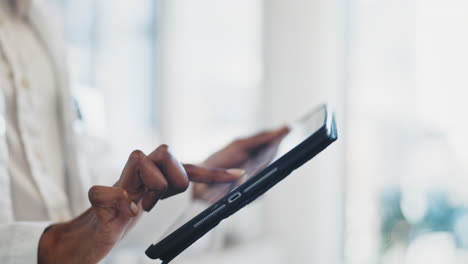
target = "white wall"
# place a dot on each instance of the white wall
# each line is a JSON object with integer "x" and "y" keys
{"x": 304, "y": 63}
{"x": 211, "y": 71}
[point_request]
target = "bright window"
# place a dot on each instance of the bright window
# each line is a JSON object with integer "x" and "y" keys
{"x": 407, "y": 197}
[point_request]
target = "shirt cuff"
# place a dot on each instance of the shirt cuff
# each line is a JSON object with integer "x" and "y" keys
{"x": 20, "y": 242}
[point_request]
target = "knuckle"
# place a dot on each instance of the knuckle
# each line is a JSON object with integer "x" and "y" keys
{"x": 163, "y": 152}
{"x": 163, "y": 147}
{"x": 136, "y": 155}
{"x": 121, "y": 194}
{"x": 181, "y": 184}
{"x": 93, "y": 192}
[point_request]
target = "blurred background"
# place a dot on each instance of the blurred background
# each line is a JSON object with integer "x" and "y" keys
{"x": 198, "y": 73}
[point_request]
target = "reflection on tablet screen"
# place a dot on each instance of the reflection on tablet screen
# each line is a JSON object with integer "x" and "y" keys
{"x": 298, "y": 132}
{"x": 257, "y": 162}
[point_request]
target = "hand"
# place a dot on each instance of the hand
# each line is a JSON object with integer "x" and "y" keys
{"x": 235, "y": 155}
{"x": 144, "y": 180}
{"x": 238, "y": 152}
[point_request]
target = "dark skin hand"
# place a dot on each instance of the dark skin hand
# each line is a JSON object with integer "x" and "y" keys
{"x": 145, "y": 180}
{"x": 234, "y": 155}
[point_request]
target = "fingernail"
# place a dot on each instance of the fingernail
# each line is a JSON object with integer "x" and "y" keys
{"x": 134, "y": 208}
{"x": 236, "y": 172}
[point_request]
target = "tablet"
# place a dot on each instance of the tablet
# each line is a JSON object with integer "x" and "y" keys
{"x": 307, "y": 137}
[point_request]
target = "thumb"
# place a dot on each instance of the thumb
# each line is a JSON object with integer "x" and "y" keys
{"x": 263, "y": 138}
{"x": 212, "y": 175}
{"x": 112, "y": 202}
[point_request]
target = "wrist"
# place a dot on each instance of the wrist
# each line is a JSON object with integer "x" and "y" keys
{"x": 69, "y": 242}
{"x": 47, "y": 250}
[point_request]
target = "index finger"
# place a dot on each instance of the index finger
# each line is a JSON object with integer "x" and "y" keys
{"x": 212, "y": 175}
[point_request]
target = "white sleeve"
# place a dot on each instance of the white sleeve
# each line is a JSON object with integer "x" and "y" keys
{"x": 19, "y": 242}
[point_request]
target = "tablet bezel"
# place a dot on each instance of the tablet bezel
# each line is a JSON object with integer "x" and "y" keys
{"x": 176, "y": 242}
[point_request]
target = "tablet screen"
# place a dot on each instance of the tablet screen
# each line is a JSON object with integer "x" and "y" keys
{"x": 299, "y": 131}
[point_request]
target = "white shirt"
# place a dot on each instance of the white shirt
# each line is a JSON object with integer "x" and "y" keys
{"x": 19, "y": 238}
{"x": 40, "y": 119}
